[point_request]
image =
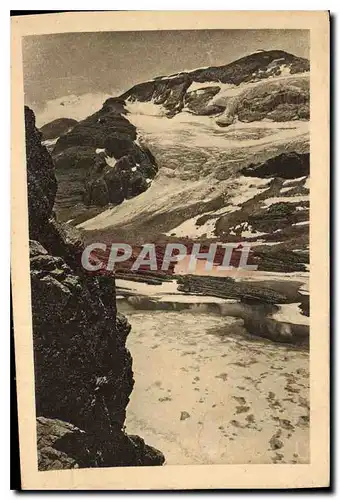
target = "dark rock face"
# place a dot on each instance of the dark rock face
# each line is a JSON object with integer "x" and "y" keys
{"x": 41, "y": 181}
{"x": 57, "y": 127}
{"x": 83, "y": 371}
{"x": 285, "y": 165}
{"x": 100, "y": 161}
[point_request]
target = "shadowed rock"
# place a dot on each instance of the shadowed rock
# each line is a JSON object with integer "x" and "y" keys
{"x": 285, "y": 165}
{"x": 57, "y": 127}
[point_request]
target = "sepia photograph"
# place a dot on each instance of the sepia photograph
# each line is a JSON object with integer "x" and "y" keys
{"x": 166, "y": 204}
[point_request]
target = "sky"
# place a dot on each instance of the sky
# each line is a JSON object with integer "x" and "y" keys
{"x": 80, "y": 70}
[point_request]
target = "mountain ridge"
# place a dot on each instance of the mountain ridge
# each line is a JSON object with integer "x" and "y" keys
{"x": 170, "y": 90}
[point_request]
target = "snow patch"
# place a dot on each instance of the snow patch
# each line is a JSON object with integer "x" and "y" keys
{"x": 229, "y": 91}
{"x": 148, "y": 108}
{"x": 167, "y": 287}
{"x": 282, "y": 199}
{"x": 50, "y": 142}
{"x": 290, "y": 313}
{"x": 288, "y": 182}
{"x": 286, "y": 189}
{"x": 250, "y": 233}
{"x": 246, "y": 230}
{"x": 304, "y": 223}
{"x": 110, "y": 161}
{"x": 190, "y": 229}
{"x": 246, "y": 188}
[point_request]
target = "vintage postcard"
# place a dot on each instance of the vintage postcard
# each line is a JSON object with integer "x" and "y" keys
{"x": 170, "y": 243}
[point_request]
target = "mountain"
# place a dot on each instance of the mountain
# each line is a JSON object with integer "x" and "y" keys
{"x": 266, "y": 84}
{"x": 229, "y": 161}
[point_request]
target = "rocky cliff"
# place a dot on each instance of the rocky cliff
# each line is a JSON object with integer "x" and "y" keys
{"x": 83, "y": 371}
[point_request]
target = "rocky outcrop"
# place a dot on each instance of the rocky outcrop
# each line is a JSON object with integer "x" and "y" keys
{"x": 57, "y": 127}
{"x": 286, "y": 165}
{"x": 100, "y": 161}
{"x": 64, "y": 446}
{"x": 83, "y": 371}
